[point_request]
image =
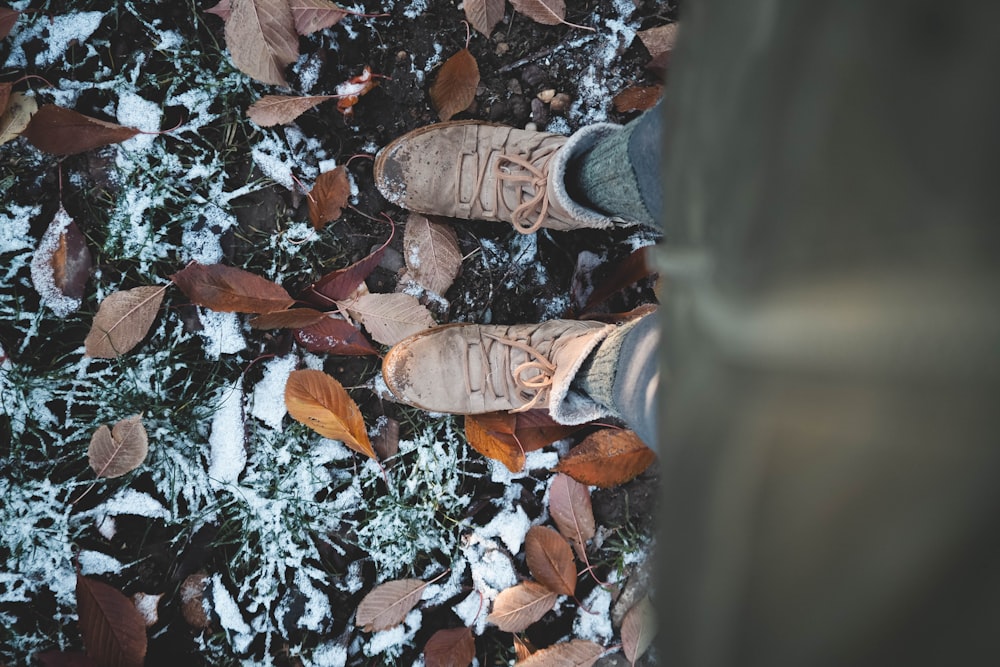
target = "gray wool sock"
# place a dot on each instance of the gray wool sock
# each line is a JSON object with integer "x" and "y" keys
{"x": 596, "y": 377}
{"x": 604, "y": 177}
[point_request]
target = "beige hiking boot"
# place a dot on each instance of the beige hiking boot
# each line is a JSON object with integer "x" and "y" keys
{"x": 479, "y": 171}
{"x": 472, "y": 368}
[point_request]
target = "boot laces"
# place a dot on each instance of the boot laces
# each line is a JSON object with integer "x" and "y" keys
{"x": 538, "y": 384}
{"x": 531, "y": 175}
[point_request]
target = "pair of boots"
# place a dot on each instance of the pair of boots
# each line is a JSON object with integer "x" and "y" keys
{"x": 477, "y": 171}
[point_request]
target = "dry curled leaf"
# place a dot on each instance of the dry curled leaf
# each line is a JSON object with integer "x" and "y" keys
{"x": 65, "y": 132}
{"x": 293, "y": 318}
{"x": 430, "y": 250}
{"x": 571, "y": 509}
{"x": 120, "y": 449}
{"x": 342, "y": 283}
{"x": 61, "y": 264}
{"x": 638, "y": 630}
{"x": 261, "y": 38}
{"x": 390, "y": 318}
{"x": 387, "y": 604}
{"x": 281, "y": 109}
{"x": 334, "y": 335}
{"x": 451, "y": 647}
{"x": 17, "y": 116}
{"x": 454, "y": 89}
{"x": 486, "y": 434}
{"x": 230, "y": 290}
{"x": 329, "y": 196}
{"x": 351, "y": 90}
{"x": 484, "y": 14}
{"x": 517, "y": 607}
{"x": 550, "y": 560}
{"x": 321, "y": 403}
{"x": 8, "y": 17}
{"x": 122, "y": 320}
{"x": 607, "y": 458}
{"x": 574, "y": 653}
{"x": 113, "y": 630}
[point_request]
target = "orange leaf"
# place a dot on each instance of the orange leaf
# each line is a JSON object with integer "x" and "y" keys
{"x": 550, "y": 560}
{"x": 352, "y": 89}
{"x": 607, "y": 458}
{"x": 452, "y": 647}
{"x": 321, "y": 403}
{"x": 230, "y": 290}
{"x": 535, "y": 429}
{"x": 480, "y": 433}
{"x": 517, "y": 607}
{"x": 281, "y": 109}
{"x": 570, "y": 508}
{"x": 294, "y": 318}
{"x": 328, "y": 196}
{"x": 333, "y": 335}
{"x": 387, "y": 604}
{"x": 454, "y": 89}
{"x": 637, "y": 98}
{"x": 113, "y": 630}
{"x": 64, "y": 132}
{"x": 574, "y": 653}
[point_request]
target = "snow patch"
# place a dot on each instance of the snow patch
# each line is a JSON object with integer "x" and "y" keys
{"x": 594, "y": 624}
{"x": 94, "y": 562}
{"x": 222, "y": 333}
{"x": 267, "y": 403}
{"x": 226, "y": 442}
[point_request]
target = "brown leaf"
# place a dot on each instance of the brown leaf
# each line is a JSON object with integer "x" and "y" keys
{"x": 122, "y": 320}
{"x": 113, "y": 631}
{"x": 328, "y": 197}
{"x": 342, "y": 283}
{"x": 5, "y": 88}
{"x": 389, "y": 318}
{"x": 660, "y": 39}
{"x": 481, "y": 434}
{"x": 71, "y": 262}
{"x": 570, "y": 508}
{"x": 523, "y": 648}
{"x": 454, "y": 89}
{"x": 385, "y": 440}
{"x": 281, "y": 109}
{"x": 535, "y": 429}
{"x": 320, "y": 402}
{"x": 484, "y": 14}
{"x": 574, "y": 653}
{"x": 333, "y": 335}
{"x": 638, "y": 630}
{"x": 293, "y": 318}
{"x": 230, "y": 290}
{"x": 451, "y": 647}
{"x": 387, "y": 605}
{"x": 55, "y": 268}
{"x": 313, "y": 15}
{"x": 607, "y": 458}
{"x": 193, "y": 600}
{"x": 261, "y": 38}
{"x": 431, "y": 252}
{"x": 20, "y": 109}
{"x": 550, "y": 560}
{"x": 637, "y": 98}
{"x": 120, "y": 449}
{"x": 64, "y": 132}
{"x": 517, "y": 607}
{"x": 548, "y": 12}
{"x": 222, "y": 10}
{"x": 8, "y": 17}
{"x": 622, "y": 274}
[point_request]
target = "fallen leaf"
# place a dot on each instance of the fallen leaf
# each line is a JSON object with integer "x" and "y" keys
{"x": 523, "y": 648}
{"x": 60, "y": 265}
{"x": 547, "y": 12}
{"x": 451, "y": 647}
{"x": 120, "y": 449}
{"x": 71, "y": 262}
{"x": 5, "y": 90}
{"x": 313, "y": 15}
{"x": 334, "y": 335}
{"x": 65, "y": 132}
{"x": 638, "y": 630}
{"x": 320, "y": 402}
{"x": 387, "y": 604}
{"x": 222, "y": 10}
{"x": 607, "y": 458}
{"x": 122, "y": 320}
{"x": 385, "y": 439}
{"x": 637, "y": 98}
{"x": 329, "y": 196}
{"x": 454, "y": 89}
{"x": 342, "y": 283}
{"x": 13, "y": 121}
{"x": 484, "y": 14}
{"x": 482, "y": 435}
{"x": 550, "y": 560}
{"x": 351, "y": 90}
{"x": 113, "y": 631}
{"x": 570, "y": 508}
{"x": 293, "y": 318}
{"x": 230, "y": 290}
{"x": 282, "y": 109}
{"x": 630, "y": 270}
{"x": 517, "y": 607}
{"x": 535, "y": 429}
{"x": 193, "y": 600}
{"x": 389, "y": 318}
{"x": 430, "y": 250}
{"x": 8, "y": 17}
{"x": 261, "y": 38}
{"x": 659, "y": 41}
{"x": 574, "y": 653}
